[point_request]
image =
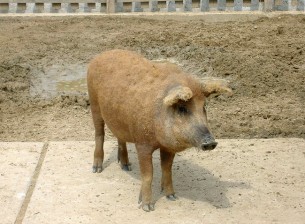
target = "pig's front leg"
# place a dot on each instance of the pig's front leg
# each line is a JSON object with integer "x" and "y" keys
{"x": 146, "y": 167}
{"x": 167, "y": 159}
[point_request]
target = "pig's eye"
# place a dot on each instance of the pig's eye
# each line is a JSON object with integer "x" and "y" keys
{"x": 182, "y": 109}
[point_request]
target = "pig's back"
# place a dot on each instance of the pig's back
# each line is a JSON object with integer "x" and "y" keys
{"x": 127, "y": 88}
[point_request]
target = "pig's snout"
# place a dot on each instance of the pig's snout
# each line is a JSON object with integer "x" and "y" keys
{"x": 209, "y": 144}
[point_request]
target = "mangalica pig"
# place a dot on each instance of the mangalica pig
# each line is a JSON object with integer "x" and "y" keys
{"x": 155, "y": 106}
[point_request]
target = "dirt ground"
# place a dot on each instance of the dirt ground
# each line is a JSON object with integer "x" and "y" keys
{"x": 264, "y": 60}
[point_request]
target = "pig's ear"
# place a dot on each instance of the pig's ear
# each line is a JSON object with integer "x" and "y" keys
{"x": 176, "y": 94}
{"x": 218, "y": 86}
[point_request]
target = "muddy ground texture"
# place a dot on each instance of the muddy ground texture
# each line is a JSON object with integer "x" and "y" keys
{"x": 264, "y": 60}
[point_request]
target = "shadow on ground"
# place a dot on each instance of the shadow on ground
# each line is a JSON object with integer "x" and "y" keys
{"x": 191, "y": 181}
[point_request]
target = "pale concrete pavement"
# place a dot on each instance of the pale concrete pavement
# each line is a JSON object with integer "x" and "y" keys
{"x": 242, "y": 181}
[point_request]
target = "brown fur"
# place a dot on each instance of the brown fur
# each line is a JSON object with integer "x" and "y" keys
{"x": 154, "y": 105}
{"x": 176, "y": 94}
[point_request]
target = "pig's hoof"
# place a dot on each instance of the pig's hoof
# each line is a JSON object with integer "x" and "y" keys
{"x": 126, "y": 167}
{"x": 172, "y": 197}
{"x": 148, "y": 207}
{"x": 97, "y": 169}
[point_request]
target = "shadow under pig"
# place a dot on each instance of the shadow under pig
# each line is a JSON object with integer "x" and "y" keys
{"x": 191, "y": 181}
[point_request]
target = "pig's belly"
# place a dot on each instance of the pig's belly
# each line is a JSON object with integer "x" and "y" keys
{"x": 118, "y": 122}
{"x": 119, "y": 131}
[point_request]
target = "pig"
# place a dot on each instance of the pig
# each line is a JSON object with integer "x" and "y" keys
{"x": 153, "y": 105}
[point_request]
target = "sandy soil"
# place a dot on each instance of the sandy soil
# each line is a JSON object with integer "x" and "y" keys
{"x": 263, "y": 60}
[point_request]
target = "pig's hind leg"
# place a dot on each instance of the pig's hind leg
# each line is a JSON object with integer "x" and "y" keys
{"x": 123, "y": 156}
{"x": 99, "y": 126}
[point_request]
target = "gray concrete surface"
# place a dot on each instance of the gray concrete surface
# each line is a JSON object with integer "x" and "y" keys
{"x": 242, "y": 181}
{"x": 17, "y": 167}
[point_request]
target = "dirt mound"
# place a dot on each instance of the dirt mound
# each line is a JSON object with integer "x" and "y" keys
{"x": 263, "y": 60}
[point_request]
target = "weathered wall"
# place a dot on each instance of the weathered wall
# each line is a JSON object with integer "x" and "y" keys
{"x": 114, "y": 6}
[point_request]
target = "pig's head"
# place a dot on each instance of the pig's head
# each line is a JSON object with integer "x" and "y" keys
{"x": 182, "y": 121}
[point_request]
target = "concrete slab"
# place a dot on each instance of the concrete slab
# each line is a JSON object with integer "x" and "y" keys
{"x": 242, "y": 181}
{"x": 18, "y": 161}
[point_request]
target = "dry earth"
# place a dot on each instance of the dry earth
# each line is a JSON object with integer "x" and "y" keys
{"x": 263, "y": 60}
